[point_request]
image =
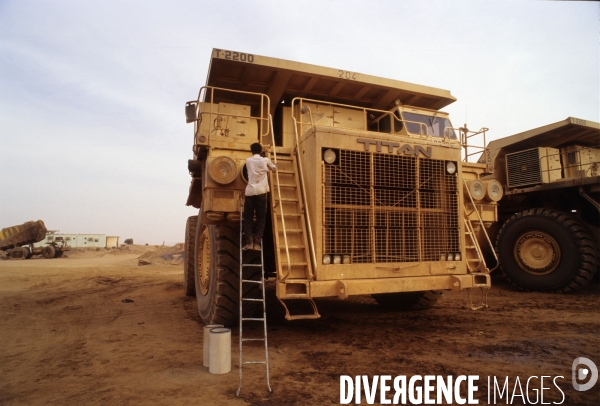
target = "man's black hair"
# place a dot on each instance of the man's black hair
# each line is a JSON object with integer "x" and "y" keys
{"x": 256, "y": 148}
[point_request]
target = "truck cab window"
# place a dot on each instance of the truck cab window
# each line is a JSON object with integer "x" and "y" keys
{"x": 419, "y": 123}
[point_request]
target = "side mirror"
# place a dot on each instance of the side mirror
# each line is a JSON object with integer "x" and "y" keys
{"x": 191, "y": 111}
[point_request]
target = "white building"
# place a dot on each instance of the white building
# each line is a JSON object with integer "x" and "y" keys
{"x": 80, "y": 240}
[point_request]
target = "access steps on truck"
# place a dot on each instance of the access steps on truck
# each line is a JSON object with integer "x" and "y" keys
{"x": 292, "y": 253}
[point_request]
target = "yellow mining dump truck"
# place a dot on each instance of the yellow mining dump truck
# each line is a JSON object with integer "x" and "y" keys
{"x": 548, "y": 234}
{"x": 17, "y": 241}
{"x": 371, "y": 195}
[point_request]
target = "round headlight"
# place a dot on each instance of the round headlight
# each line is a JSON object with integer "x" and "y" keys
{"x": 326, "y": 259}
{"x": 493, "y": 190}
{"x": 329, "y": 156}
{"x": 476, "y": 188}
{"x": 450, "y": 167}
{"x": 337, "y": 259}
{"x": 223, "y": 170}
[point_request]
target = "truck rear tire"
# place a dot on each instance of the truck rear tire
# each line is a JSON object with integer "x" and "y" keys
{"x": 408, "y": 300}
{"x": 547, "y": 250}
{"x": 19, "y": 253}
{"x": 48, "y": 252}
{"x": 189, "y": 284}
{"x": 216, "y": 273}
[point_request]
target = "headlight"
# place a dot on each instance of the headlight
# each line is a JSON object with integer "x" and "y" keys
{"x": 476, "y": 188}
{"x": 326, "y": 259}
{"x": 223, "y": 170}
{"x": 450, "y": 167}
{"x": 457, "y": 256}
{"x": 329, "y": 156}
{"x": 493, "y": 190}
{"x": 337, "y": 259}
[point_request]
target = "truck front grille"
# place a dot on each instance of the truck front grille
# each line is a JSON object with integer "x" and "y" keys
{"x": 389, "y": 208}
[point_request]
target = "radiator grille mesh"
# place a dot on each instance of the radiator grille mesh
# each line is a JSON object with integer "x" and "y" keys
{"x": 387, "y": 208}
{"x": 523, "y": 168}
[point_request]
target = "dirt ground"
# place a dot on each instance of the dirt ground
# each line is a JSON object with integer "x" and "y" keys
{"x": 97, "y": 329}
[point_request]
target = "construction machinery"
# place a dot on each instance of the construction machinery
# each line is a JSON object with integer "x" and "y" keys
{"x": 17, "y": 241}
{"x": 548, "y": 234}
{"x": 371, "y": 195}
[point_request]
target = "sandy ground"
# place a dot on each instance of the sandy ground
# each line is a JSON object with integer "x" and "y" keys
{"x": 97, "y": 329}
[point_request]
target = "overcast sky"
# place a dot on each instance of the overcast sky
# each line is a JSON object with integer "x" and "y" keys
{"x": 92, "y": 130}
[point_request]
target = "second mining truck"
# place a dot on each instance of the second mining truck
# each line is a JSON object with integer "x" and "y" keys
{"x": 371, "y": 195}
{"x": 16, "y": 242}
{"x": 548, "y": 234}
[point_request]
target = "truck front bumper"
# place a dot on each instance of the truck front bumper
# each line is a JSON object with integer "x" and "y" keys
{"x": 351, "y": 287}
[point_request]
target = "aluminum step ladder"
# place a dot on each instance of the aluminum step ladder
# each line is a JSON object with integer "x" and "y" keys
{"x": 244, "y": 267}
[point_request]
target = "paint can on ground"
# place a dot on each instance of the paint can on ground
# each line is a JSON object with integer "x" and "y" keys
{"x": 206, "y": 342}
{"x": 220, "y": 351}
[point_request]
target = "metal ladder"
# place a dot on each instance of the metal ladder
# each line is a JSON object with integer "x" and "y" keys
{"x": 291, "y": 223}
{"x": 245, "y": 266}
{"x": 478, "y": 259}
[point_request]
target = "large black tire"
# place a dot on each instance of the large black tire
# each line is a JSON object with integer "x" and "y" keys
{"x": 546, "y": 250}
{"x": 189, "y": 284}
{"x": 19, "y": 253}
{"x": 48, "y": 252}
{"x": 216, "y": 274}
{"x": 408, "y": 300}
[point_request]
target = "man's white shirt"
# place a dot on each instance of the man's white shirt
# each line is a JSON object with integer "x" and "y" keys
{"x": 258, "y": 167}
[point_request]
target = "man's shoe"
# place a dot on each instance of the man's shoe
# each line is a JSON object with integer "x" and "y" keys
{"x": 248, "y": 242}
{"x": 257, "y": 246}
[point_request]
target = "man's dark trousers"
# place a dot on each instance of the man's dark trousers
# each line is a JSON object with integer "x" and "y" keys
{"x": 253, "y": 204}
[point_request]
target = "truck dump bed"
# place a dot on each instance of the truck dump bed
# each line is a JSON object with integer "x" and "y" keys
{"x": 23, "y": 234}
{"x": 281, "y": 79}
{"x": 556, "y": 135}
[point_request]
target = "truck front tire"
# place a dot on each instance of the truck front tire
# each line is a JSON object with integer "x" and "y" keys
{"x": 189, "y": 284}
{"x": 48, "y": 252}
{"x": 547, "y": 250}
{"x": 216, "y": 270}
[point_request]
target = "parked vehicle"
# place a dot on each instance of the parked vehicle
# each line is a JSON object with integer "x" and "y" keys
{"x": 17, "y": 241}
{"x": 371, "y": 195}
{"x": 548, "y": 234}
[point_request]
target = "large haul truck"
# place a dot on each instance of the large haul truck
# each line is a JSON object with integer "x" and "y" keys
{"x": 548, "y": 234}
{"x": 17, "y": 242}
{"x": 371, "y": 195}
